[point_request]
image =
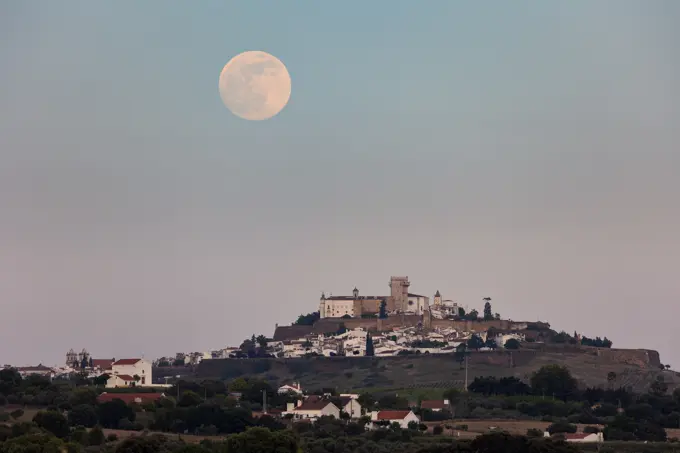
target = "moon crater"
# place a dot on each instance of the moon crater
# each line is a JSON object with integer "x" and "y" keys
{"x": 255, "y": 85}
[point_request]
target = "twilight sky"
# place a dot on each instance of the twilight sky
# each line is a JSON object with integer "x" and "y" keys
{"x": 527, "y": 152}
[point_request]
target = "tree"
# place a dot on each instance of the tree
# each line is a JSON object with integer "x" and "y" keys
{"x": 488, "y": 314}
{"x": 307, "y": 320}
{"x": 112, "y": 412}
{"x": 10, "y": 380}
{"x": 101, "y": 380}
{"x": 189, "y": 399}
{"x": 83, "y": 415}
{"x": 554, "y": 380}
{"x": 658, "y": 387}
{"x": 261, "y": 341}
{"x": 52, "y": 421}
{"x": 473, "y": 315}
{"x": 461, "y": 312}
{"x": 370, "y": 351}
{"x": 512, "y": 344}
{"x": 96, "y": 436}
{"x": 366, "y": 400}
{"x": 383, "y": 310}
{"x": 261, "y": 440}
{"x": 475, "y": 342}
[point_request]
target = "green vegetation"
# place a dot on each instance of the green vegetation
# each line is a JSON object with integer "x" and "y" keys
{"x": 72, "y": 419}
{"x": 307, "y": 320}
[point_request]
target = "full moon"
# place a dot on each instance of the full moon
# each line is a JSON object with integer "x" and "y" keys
{"x": 255, "y": 85}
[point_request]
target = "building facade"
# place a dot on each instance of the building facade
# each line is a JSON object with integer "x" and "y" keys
{"x": 356, "y": 305}
{"x": 130, "y": 372}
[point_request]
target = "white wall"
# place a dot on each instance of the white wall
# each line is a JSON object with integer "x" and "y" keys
{"x": 338, "y": 308}
{"x": 141, "y": 369}
{"x": 353, "y": 408}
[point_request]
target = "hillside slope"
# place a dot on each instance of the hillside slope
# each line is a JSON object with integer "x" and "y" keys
{"x": 634, "y": 368}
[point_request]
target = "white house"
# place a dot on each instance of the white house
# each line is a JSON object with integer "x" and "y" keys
{"x": 130, "y": 372}
{"x": 312, "y": 408}
{"x": 403, "y": 418}
{"x": 350, "y": 406}
{"x": 581, "y": 437}
{"x": 294, "y": 388}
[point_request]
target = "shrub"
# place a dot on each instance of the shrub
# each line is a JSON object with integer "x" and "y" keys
{"x": 17, "y": 413}
{"x": 437, "y": 430}
{"x": 112, "y": 437}
{"x": 534, "y": 432}
{"x": 4, "y": 417}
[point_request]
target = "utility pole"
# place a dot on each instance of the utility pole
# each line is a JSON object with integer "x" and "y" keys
{"x": 466, "y": 371}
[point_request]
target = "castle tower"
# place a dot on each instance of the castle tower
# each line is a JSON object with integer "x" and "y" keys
{"x": 437, "y": 298}
{"x": 398, "y": 293}
{"x": 322, "y": 306}
{"x": 358, "y": 308}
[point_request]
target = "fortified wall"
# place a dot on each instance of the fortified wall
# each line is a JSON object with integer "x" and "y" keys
{"x": 328, "y": 325}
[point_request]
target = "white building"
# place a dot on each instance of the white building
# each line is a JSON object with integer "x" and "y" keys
{"x": 351, "y": 406}
{"x": 130, "y": 372}
{"x": 40, "y": 370}
{"x": 417, "y": 304}
{"x": 403, "y": 418}
{"x": 580, "y": 437}
{"x": 312, "y": 408}
{"x": 294, "y": 388}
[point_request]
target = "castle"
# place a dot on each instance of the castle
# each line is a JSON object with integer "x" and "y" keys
{"x": 357, "y": 306}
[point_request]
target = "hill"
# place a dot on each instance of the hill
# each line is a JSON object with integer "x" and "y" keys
{"x": 635, "y": 368}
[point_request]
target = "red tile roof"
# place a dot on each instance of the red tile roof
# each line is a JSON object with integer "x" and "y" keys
{"x": 313, "y": 405}
{"x": 392, "y": 415}
{"x": 104, "y": 364}
{"x": 576, "y": 436}
{"x": 125, "y": 377}
{"x": 432, "y": 404}
{"x": 130, "y": 397}
{"x": 126, "y": 361}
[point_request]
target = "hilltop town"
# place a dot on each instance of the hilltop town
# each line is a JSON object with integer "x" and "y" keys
{"x": 400, "y": 323}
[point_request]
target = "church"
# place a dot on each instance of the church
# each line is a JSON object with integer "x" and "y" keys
{"x": 356, "y": 306}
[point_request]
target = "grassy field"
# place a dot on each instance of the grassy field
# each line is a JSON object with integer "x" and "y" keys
{"x": 437, "y": 371}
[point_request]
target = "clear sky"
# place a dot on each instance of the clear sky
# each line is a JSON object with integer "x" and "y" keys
{"x": 526, "y": 151}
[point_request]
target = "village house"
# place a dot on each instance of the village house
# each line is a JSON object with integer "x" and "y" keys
{"x": 350, "y": 406}
{"x": 294, "y": 388}
{"x": 580, "y": 437}
{"x": 130, "y": 372}
{"x": 311, "y": 409}
{"x": 435, "y": 405}
{"x": 403, "y": 418}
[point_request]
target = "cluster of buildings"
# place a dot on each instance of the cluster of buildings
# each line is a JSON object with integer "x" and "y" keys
{"x": 312, "y": 407}
{"x": 136, "y": 372}
{"x": 398, "y": 341}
